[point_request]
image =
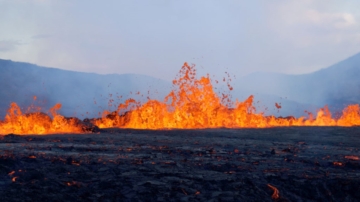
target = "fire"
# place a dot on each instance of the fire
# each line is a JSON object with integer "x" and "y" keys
{"x": 192, "y": 104}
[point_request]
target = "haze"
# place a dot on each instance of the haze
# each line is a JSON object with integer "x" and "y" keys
{"x": 156, "y": 37}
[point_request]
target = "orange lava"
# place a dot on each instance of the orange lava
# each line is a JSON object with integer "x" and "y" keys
{"x": 37, "y": 123}
{"x": 192, "y": 104}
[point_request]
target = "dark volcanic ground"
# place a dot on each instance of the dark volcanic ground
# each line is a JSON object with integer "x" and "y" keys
{"x": 303, "y": 163}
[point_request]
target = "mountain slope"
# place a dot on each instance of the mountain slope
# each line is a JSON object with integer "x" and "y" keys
{"x": 81, "y": 94}
{"x": 337, "y": 85}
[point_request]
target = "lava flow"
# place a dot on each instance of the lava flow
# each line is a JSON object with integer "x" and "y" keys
{"x": 192, "y": 104}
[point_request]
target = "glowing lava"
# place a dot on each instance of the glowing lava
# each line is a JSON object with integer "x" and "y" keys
{"x": 38, "y": 123}
{"x": 192, "y": 104}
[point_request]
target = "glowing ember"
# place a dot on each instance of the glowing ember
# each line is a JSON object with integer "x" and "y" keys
{"x": 192, "y": 104}
{"x": 275, "y": 195}
{"x": 73, "y": 183}
{"x": 337, "y": 163}
{"x": 354, "y": 158}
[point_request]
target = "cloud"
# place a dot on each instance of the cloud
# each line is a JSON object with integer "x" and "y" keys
{"x": 314, "y": 24}
{"x": 41, "y": 36}
{"x": 8, "y": 45}
{"x": 335, "y": 20}
{"x": 289, "y": 36}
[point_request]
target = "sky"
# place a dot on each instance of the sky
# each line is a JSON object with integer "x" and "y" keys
{"x": 156, "y": 37}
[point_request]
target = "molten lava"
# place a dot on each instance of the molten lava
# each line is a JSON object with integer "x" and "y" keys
{"x": 192, "y": 104}
{"x": 38, "y": 122}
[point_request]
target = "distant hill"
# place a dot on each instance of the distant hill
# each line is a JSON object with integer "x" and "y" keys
{"x": 78, "y": 92}
{"x": 336, "y": 86}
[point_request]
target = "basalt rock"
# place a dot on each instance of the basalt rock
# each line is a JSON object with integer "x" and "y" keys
{"x": 275, "y": 164}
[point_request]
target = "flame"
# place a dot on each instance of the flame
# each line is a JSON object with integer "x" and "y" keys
{"x": 192, "y": 104}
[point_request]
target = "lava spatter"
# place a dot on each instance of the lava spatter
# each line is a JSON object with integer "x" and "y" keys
{"x": 193, "y": 104}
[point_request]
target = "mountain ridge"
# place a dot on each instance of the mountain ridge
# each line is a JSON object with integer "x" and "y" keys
{"x": 337, "y": 85}
{"x": 76, "y": 91}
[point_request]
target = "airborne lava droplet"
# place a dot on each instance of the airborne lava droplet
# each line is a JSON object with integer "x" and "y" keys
{"x": 278, "y": 106}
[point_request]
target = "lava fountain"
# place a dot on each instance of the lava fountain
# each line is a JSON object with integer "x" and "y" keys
{"x": 192, "y": 104}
